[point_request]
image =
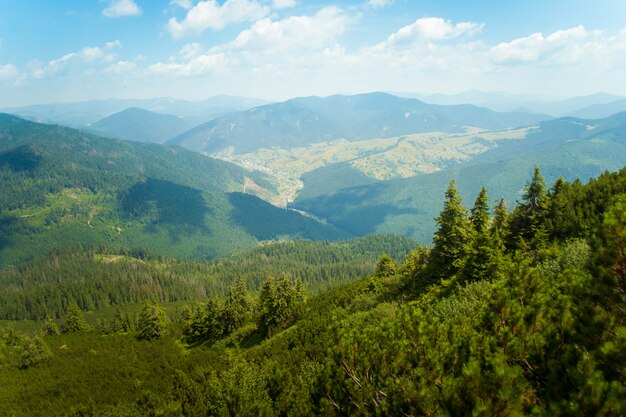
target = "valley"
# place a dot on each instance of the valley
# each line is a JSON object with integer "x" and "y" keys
{"x": 379, "y": 158}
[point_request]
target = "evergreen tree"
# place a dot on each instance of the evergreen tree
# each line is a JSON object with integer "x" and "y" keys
{"x": 152, "y": 322}
{"x": 453, "y": 238}
{"x": 528, "y": 218}
{"x": 280, "y": 302}
{"x": 479, "y": 216}
{"x": 237, "y": 306}
{"x": 207, "y": 323}
{"x": 73, "y": 321}
{"x": 385, "y": 267}
{"x": 484, "y": 257}
{"x": 34, "y": 351}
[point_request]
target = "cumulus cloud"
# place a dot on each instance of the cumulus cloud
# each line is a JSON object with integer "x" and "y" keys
{"x": 209, "y": 14}
{"x": 266, "y": 42}
{"x": 121, "y": 8}
{"x": 563, "y": 47}
{"x": 433, "y": 29}
{"x": 317, "y": 31}
{"x": 283, "y": 4}
{"x": 87, "y": 56}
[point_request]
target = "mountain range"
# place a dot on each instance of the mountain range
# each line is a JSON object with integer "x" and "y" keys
{"x": 308, "y": 120}
{"x": 505, "y": 102}
{"x": 85, "y": 113}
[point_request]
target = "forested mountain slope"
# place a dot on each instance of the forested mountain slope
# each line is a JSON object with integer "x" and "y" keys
{"x": 60, "y": 187}
{"x": 508, "y": 313}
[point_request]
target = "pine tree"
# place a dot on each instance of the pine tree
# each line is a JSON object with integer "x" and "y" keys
{"x": 479, "y": 216}
{"x": 528, "y": 219}
{"x": 453, "y": 238}
{"x": 152, "y": 322}
{"x": 237, "y": 306}
{"x": 73, "y": 321}
{"x": 280, "y": 302}
{"x": 385, "y": 267}
{"x": 485, "y": 255}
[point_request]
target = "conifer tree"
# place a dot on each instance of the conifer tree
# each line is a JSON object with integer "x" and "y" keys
{"x": 73, "y": 321}
{"x": 237, "y": 306}
{"x": 480, "y": 212}
{"x": 385, "y": 266}
{"x": 152, "y": 322}
{"x": 453, "y": 238}
{"x": 280, "y": 302}
{"x": 34, "y": 351}
{"x": 528, "y": 219}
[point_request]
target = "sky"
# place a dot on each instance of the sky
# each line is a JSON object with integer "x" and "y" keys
{"x": 74, "y": 50}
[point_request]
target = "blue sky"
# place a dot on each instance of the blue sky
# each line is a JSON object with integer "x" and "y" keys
{"x": 69, "y": 50}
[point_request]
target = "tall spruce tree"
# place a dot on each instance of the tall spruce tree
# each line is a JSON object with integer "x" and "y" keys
{"x": 453, "y": 238}
{"x": 152, "y": 322}
{"x": 73, "y": 321}
{"x": 480, "y": 212}
{"x": 528, "y": 219}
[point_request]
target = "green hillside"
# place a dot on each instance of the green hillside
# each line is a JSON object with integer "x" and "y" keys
{"x": 308, "y": 120}
{"x": 572, "y": 148}
{"x": 516, "y": 313}
{"x": 61, "y": 187}
{"x": 140, "y": 125}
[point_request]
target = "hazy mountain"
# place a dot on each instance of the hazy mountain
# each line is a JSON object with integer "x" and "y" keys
{"x": 140, "y": 125}
{"x": 574, "y": 148}
{"x": 597, "y": 111}
{"x": 81, "y": 114}
{"x": 307, "y": 120}
{"x": 63, "y": 187}
{"x": 505, "y": 102}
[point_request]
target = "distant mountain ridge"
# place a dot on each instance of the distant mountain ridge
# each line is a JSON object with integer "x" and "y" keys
{"x": 140, "y": 125}
{"x": 84, "y": 113}
{"x": 505, "y": 102}
{"x": 307, "y": 120}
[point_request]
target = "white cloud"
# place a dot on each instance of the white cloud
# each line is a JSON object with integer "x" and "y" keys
{"x": 185, "y": 4}
{"x": 379, "y": 3}
{"x": 121, "y": 67}
{"x": 113, "y": 44}
{"x": 210, "y": 15}
{"x": 433, "y": 29}
{"x": 9, "y": 72}
{"x": 121, "y": 8}
{"x": 563, "y": 47}
{"x": 89, "y": 56}
{"x": 267, "y": 43}
{"x": 284, "y": 4}
{"x": 198, "y": 65}
{"x": 317, "y": 31}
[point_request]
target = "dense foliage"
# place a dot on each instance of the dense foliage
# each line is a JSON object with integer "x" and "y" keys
{"x": 95, "y": 279}
{"x": 524, "y": 316}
